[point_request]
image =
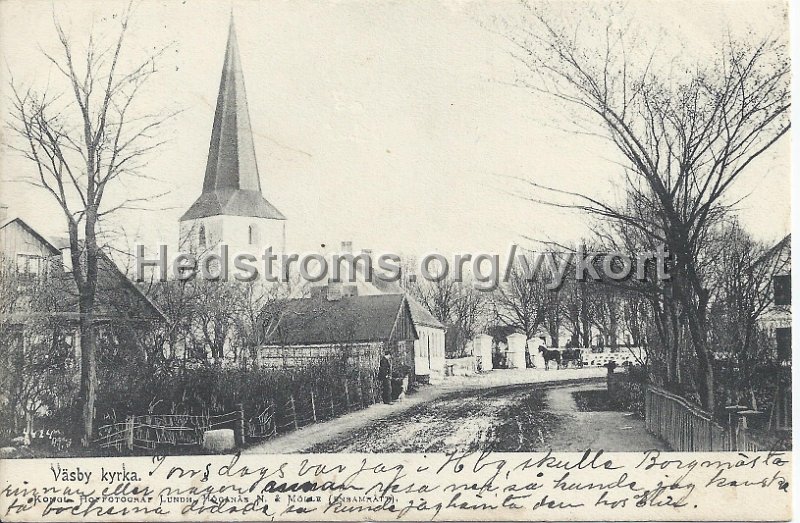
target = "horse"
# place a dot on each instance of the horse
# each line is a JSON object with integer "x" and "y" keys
{"x": 548, "y": 355}
{"x": 572, "y": 355}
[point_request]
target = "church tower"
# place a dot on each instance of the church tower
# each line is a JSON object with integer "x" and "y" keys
{"x": 232, "y": 209}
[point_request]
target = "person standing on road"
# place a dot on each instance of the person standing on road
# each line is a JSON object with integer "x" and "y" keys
{"x": 385, "y": 376}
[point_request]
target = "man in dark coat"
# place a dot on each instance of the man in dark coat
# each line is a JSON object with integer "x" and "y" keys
{"x": 385, "y": 377}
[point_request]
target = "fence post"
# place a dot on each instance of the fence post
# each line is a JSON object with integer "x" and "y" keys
{"x": 333, "y": 407}
{"x": 347, "y": 395}
{"x": 731, "y": 433}
{"x": 238, "y": 426}
{"x": 129, "y": 432}
{"x": 361, "y": 394}
{"x": 294, "y": 412}
{"x": 274, "y": 418}
{"x": 710, "y": 436}
{"x": 313, "y": 407}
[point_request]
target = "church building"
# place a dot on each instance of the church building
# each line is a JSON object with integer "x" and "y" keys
{"x": 232, "y": 209}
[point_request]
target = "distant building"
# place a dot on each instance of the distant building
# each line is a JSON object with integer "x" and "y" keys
{"x": 34, "y": 259}
{"x": 231, "y": 208}
{"x": 777, "y": 319}
{"x": 429, "y": 348}
{"x": 351, "y": 329}
{"x": 777, "y": 322}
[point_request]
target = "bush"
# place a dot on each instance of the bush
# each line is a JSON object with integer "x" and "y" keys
{"x": 212, "y": 389}
{"x": 627, "y": 389}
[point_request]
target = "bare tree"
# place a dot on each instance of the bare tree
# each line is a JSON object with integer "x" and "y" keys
{"x": 575, "y": 310}
{"x": 523, "y": 302}
{"x": 606, "y": 313}
{"x": 743, "y": 293}
{"x": 685, "y": 134}
{"x": 82, "y": 142}
{"x": 458, "y": 305}
{"x": 259, "y": 312}
{"x": 35, "y": 375}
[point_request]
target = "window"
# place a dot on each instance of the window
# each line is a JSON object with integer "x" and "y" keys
{"x": 65, "y": 346}
{"x": 201, "y": 236}
{"x": 782, "y": 288}
{"x": 30, "y": 265}
{"x": 783, "y": 335}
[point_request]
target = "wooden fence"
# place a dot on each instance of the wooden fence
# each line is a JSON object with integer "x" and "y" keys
{"x": 688, "y": 428}
{"x": 152, "y": 431}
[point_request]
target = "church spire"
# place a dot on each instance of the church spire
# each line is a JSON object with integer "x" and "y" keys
{"x": 232, "y": 185}
{"x": 231, "y": 155}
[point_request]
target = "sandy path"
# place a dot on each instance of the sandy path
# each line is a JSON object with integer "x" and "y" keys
{"x": 616, "y": 431}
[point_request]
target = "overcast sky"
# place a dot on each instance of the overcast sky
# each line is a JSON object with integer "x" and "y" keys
{"x": 391, "y": 124}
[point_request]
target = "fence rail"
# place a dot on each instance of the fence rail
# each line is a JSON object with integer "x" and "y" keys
{"x": 151, "y": 431}
{"x": 688, "y": 428}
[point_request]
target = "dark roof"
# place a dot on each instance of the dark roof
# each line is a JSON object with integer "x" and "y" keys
{"x": 353, "y": 319}
{"x": 419, "y": 313}
{"x": 116, "y": 296}
{"x": 232, "y": 202}
{"x": 232, "y": 185}
{"x": 386, "y": 287}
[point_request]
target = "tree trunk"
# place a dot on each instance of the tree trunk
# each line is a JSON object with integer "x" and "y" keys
{"x": 88, "y": 387}
{"x": 586, "y": 322}
{"x": 705, "y": 369}
{"x": 613, "y": 321}
{"x": 553, "y": 331}
{"x": 87, "y": 289}
{"x": 673, "y": 346}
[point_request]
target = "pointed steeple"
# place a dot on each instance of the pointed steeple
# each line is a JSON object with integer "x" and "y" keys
{"x": 232, "y": 185}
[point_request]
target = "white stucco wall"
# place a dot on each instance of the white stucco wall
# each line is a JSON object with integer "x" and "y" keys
{"x": 429, "y": 351}
{"x": 234, "y": 231}
{"x": 516, "y": 351}
{"x": 482, "y": 348}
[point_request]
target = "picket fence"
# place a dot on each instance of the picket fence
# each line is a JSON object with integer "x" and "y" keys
{"x": 688, "y": 428}
{"x": 152, "y": 431}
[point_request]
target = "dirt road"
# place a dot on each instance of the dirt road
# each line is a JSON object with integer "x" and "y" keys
{"x": 608, "y": 430}
{"x": 507, "y": 413}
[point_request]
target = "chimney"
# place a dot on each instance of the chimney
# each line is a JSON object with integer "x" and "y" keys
{"x": 3, "y": 212}
{"x": 334, "y": 290}
{"x": 368, "y": 271}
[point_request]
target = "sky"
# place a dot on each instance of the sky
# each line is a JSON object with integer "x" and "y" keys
{"x": 391, "y": 124}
